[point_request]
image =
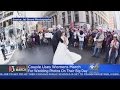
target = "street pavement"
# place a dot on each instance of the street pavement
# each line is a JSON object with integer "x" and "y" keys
{"x": 35, "y": 55}
{"x": 44, "y": 55}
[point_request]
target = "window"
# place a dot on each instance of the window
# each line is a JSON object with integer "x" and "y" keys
{"x": 56, "y": 19}
{"x": 7, "y": 23}
{"x": 69, "y": 16}
{"x": 10, "y": 22}
{"x": 87, "y": 16}
{"x": 63, "y": 18}
{"x": 103, "y": 21}
{"x": 52, "y": 22}
{"x": 92, "y": 17}
{"x": 8, "y": 14}
{"x": 96, "y": 17}
{"x": 76, "y": 16}
{"x": 99, "y": 19}
{"x": 11, "y": 13}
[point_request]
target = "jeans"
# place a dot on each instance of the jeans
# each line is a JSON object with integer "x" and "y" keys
{"x": 107, "y": 53}
{"x": 81, "y": 44}
{"x": 112, "y": 57}
{"x": 96, "y": 51}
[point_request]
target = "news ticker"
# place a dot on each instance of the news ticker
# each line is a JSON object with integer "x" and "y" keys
{"x": 31, "y": 19}
{"x": 61, "y": 70}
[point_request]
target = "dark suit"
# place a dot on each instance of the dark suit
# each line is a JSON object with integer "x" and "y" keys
{"x": 56, "y": 38}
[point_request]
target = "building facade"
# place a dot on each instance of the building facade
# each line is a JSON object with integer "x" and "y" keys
{"x": 65, "y": 18}
{"x": 31, "y": 25}
{"x": 116, "y": 15}
{"x": 8, "y": 25}
{"x": 18, "y": 27}
{"x": 111, "y": 20}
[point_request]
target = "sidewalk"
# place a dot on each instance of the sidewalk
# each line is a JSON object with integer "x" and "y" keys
{"x": 8, "y": 56}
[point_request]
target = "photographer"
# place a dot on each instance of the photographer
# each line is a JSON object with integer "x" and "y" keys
{"x": 113, "y": 53}
{"x": 98, "y": 43}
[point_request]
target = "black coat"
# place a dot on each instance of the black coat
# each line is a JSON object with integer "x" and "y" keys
{"x": 56, "y": 38}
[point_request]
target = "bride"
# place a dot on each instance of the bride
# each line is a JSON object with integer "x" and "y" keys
{"x": 63, "y": 55}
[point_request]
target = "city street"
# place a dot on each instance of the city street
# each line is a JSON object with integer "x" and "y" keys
{"x": 44, "y": 55}
{"x": 8, "y": 56}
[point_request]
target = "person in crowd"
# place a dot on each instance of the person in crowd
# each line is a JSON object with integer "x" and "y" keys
{"x": 81, "y": 39}
{"x": 29, "y": 41}
{"x": 45, "y": 41}
{"x": 94, "y": 32}
{"x": 11, "y": 45}
{"x": 117, "y": 59}
{"x": 54, "y": 30}
{"x": 98, "y": 45}
{"x": 35, "y": 36}
{"x": 37, "y": 39}
{"x": 33, "y": 39}
{"x": 24, "y": 41}
{"x": 41, "y": 37}
{"x": 108, "y": 40}
{"x": 90, "y": 42}
{"x": 67, "y": 32}
{"x": 71, "y": 38}
{"x": 3, "y": 50}
{"x": 104, "y": 42}
{"x": 26, "y": 36}
{"x": 76, "y": 39}
{"x": 86, "y": 38}
{"x": 20, "y": 42}
{"x": 113, "y": 52}
{"x": 48, "y": 37}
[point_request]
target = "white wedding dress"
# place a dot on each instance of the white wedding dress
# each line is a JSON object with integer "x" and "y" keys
{"x": 64, "y": 56}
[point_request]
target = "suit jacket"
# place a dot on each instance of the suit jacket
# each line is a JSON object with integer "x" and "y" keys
{"x": 57, "y": 37}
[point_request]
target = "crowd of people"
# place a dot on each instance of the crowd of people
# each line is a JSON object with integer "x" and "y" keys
{"x": 98, "y": 40}
{"x": 33, "y": 39}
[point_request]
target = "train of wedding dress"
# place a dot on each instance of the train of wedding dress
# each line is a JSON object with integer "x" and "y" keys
{"x": 64, "y": 56}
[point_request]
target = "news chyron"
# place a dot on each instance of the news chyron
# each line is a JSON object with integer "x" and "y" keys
{"x": 17, "y": 68}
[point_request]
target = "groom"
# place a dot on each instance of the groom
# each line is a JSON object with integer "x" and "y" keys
{"x": 56, "y": 38}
